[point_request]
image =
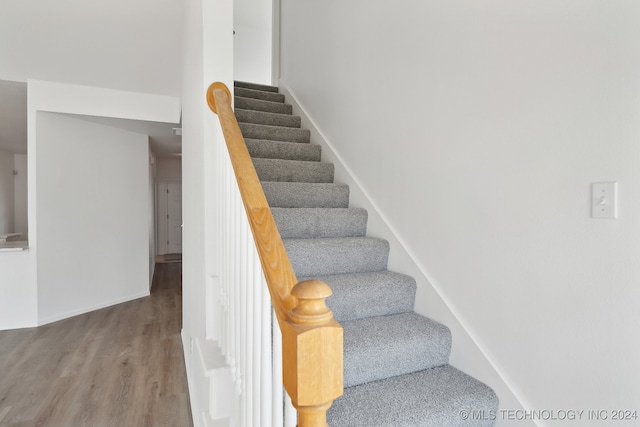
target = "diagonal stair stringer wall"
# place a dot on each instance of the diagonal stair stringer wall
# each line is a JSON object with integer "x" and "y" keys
{"x": 431, "y": 300}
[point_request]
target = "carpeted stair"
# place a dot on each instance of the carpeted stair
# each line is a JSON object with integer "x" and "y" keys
{"x": 396, "y": 370}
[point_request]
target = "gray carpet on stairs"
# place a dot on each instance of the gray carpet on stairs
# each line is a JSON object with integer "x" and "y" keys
{"x": 379, "y": 347}
{"x": 274, "y": 133}
{"x": 379, "y": 293}
{"x": 293, "y": 170}
{"x": 258, "y": 94}
{"x": 396, "y": 370}
{"x": 437, "y": 397}
{"x": 306, "y": 194}
{"x": 262, "y": 105}
{"x": 310, "y": 223}
{"x": 283, "y": 150}
{"x": 337, "y": 255}
{"x": 267, "y": 118}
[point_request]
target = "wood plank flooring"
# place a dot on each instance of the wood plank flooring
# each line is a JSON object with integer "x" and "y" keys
{"x": 121, "y": 366}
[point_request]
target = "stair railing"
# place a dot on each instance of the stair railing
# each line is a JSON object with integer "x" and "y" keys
{"x": 312, "y": 366}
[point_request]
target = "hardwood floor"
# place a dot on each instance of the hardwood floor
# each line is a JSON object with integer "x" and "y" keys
{"x": 121, "y": 366}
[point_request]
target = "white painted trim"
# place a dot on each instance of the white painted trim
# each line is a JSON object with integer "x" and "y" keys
{"x": 380, "y": 226}
{"x": 275, "y": 42}
{"x": 62, "y": 316}
{"x": 191, "y": 382}
{"x": 93, "y": 101}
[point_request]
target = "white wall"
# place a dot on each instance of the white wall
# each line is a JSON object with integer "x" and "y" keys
{"x": 92, "y": 216}
{"x": 18, "y": 293}
{"x": 116, "y": 44}
{"x": 477, "y": 129}
{"x": 20, "y": 195}
{"x": 6, "y": 192}
{"x": 252, "y": 42}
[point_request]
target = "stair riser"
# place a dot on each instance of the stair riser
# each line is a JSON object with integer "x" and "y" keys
{"x": 274, "y": 133}
{"x": 263, "y": 118}
{"x": 261, "y": 105}
{"x": 255, "y": 86}
{"x": 316, "y": 257}
{"x": 305, "y": 195}
{"x": 313, "y": 223}
{"x": 434, "y": 397}
{"x": 293, "y": 170}
{"x": 257, "y": 94}
{"x": 261, "y": 148}
{"x": 388, "y": 346}
{"x": 356, "y": 296}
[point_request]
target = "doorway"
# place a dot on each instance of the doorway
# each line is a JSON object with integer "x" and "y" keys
{"x": 169, "y": 218}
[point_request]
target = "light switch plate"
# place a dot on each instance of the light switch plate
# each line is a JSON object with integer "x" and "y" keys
{"x": 604, "y": 200}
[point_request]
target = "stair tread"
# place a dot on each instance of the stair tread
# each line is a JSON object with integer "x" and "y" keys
{"x": 386, "y": 346}
{"x": 368, "y": 294}
{"x": 433, "y": 397}
{"x": 266, "y": 149}
{"x": 258, "y": 94}
{"x": 274, "y": 133}
{"x": 267, "y": 118}
{"x": 320, "y": 222}
{"x": 306, "y": 194}
{"x": 262, "y": 105}
{"x": 293, "y": 170}
{"x": 337, "y": 255}
{"x": 256, "y": 86}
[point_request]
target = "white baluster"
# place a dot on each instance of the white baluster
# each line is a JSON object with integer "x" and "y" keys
{"x": 266, "y": 373}
{"x": 249, "y": 350}
{"x": 276, "y": 368}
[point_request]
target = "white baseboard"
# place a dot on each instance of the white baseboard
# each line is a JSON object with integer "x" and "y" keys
{"x": 209, "y": 422}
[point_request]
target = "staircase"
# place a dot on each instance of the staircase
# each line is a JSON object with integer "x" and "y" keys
{"x": 396, "y": 370}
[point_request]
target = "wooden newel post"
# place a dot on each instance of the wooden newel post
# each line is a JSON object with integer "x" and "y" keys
{"x": 312, "y": 359}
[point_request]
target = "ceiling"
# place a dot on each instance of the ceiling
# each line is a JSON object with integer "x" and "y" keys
{"x": 13, "y": 124}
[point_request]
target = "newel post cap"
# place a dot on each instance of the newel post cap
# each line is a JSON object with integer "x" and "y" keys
{"x": 311, "y": 308}
{"x": 211, "y": 100}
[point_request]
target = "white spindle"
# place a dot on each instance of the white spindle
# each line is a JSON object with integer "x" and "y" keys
{"x": 267, "y": 346}
{"x": 258, "y": 354}
{"x": 249, "y": 352}
{"x": 277, "y": 388}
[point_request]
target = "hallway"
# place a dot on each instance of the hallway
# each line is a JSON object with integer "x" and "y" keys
{"x": 118, "y": 366}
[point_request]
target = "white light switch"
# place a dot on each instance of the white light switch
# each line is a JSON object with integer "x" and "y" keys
{"x": 604, "y": 200}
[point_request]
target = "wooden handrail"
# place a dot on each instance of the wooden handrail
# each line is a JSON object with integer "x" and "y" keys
{"x": 311, "y": 337}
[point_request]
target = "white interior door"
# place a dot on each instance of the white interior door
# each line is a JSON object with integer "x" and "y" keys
{"x": 169, "y": 220}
